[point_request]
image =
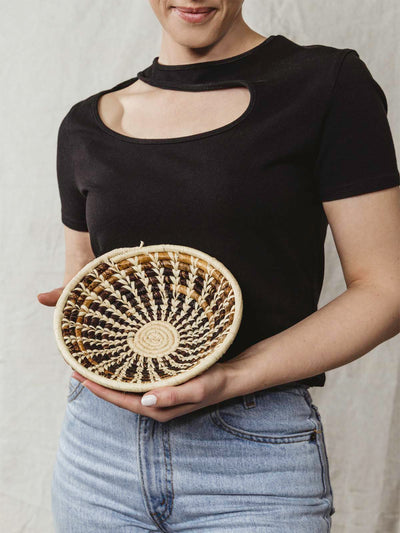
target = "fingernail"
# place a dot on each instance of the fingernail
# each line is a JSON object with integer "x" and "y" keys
{"x": 150, "y": 399}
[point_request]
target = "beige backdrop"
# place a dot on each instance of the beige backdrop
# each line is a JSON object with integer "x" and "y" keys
{"x": 56, "y": 53}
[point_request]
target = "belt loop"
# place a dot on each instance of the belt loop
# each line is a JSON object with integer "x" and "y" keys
{"x": 249, "y": 400}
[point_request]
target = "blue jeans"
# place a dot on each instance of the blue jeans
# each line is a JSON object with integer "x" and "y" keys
{"x": 255, "y": 463}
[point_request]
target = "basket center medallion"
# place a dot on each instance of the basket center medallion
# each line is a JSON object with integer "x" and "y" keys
{"x": 154, "y": 339}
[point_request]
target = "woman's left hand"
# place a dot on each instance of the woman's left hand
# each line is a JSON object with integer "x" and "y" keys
{"x": 207, "y": 388}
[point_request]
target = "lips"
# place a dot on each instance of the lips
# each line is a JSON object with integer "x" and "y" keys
{"x": 194, "y": 9}
{"x": 194, "y": 14}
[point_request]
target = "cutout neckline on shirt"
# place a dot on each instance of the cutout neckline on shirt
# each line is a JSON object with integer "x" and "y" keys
{"x": 199, "y": 76}
{"x": 181, "y": 139}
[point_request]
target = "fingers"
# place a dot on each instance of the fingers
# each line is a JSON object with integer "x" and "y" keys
{"x": 50, "y": 298}
{"x": 132, "y": 402}
{"x": 128, "y": 401}
{"x": 190, "y": 392}
{"x": 198, "y": 390}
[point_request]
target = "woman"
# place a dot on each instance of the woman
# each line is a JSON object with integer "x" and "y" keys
{"x": 245, "y": 147}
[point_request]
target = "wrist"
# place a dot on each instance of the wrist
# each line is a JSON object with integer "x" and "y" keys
{"x": 233, "y": 379}
{"x": 249, "y": 371}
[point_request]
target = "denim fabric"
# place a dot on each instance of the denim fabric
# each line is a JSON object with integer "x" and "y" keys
{"x": 255, "y": 463}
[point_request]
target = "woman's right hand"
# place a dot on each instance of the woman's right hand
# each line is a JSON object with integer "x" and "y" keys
{"x": 50, "y": 298}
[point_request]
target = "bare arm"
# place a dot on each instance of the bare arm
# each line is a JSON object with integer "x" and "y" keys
{"x": 78, "y": 252}
{"x": 366, "y": 231}
{"x": 367, "y": 237}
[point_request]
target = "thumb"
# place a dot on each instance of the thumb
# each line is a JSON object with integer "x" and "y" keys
{"x": 191, "y": 391}
{"x": 162, "y": 397}
{"x": 50, "y": 298}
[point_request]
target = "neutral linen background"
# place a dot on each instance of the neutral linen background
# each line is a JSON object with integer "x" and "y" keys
{"x": 53, "y": 55}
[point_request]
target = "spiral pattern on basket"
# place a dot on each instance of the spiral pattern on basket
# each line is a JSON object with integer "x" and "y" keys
{"x": 148, "y": 317}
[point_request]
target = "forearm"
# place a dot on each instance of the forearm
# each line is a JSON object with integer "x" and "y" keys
{"x": 343, "y": 330}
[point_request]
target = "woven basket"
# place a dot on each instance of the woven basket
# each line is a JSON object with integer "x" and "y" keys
{"x": 138, "y": 318}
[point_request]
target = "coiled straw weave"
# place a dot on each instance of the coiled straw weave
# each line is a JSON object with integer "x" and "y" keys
{"x": 138, "y": 318}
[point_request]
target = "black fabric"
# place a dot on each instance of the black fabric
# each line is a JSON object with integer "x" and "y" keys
{"x": 249, "y": 193}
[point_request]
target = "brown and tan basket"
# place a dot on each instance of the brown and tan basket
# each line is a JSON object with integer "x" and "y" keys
{"x": 138, "y": 318}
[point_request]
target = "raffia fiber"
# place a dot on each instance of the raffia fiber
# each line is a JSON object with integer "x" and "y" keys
{"x": 138, "y": 318}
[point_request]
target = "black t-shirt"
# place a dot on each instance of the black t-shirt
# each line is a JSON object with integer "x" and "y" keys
{"x": 249, "y": 193}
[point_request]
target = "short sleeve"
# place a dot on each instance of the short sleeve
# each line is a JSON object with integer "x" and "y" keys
{"x": 73, "y": 202}
{"x": 356, "y": 153}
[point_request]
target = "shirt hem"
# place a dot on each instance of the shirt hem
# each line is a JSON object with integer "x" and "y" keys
{"x": 74, "y": 224}
{"x": 356, "y": 188}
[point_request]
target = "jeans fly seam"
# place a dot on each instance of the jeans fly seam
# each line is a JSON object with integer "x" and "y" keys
{"x": 170, "y": 494}
{"x": 153, "y": 515}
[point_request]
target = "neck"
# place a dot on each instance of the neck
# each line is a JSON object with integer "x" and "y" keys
{"x": 208, "y": 72}
{"x": 239, "y": 39}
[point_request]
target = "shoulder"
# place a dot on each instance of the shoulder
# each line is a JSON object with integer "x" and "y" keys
{"x": 322, "y": 59}
{"x": 76, "y": 113}
{"x": 321, "y": 68}
{"x": 315, "y": 51}
{"x": 327, "y": 62}
{"x": 82, "y": 111}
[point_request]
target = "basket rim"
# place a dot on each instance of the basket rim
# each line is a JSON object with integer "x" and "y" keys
{"x": 118, "y": 254}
